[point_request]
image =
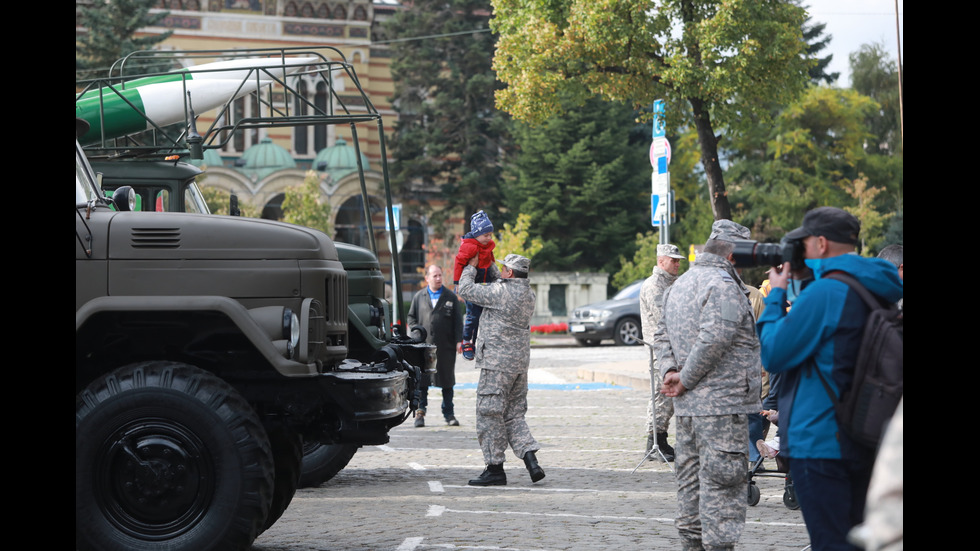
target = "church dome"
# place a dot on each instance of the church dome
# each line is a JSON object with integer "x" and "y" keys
{"x": 211, "y": 158}
{"x": 338, "y": 160}
{"x": 264, "y": 158}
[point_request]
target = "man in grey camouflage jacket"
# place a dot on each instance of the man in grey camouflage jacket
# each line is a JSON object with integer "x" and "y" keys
{"x": 708, "y": 354}
{"x": 651, "y": 307}
{"x": 503, "y": 353}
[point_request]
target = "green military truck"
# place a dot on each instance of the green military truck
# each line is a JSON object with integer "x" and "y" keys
{"x": 221, "y": 362}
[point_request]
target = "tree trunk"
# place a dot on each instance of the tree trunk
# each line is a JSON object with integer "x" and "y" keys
{"x": 709, "y": 160}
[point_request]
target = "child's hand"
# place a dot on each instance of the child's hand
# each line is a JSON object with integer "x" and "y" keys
{"x": 474, "y": 261}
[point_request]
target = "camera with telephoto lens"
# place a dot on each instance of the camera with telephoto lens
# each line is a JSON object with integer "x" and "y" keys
{"x": 750, "y": 253}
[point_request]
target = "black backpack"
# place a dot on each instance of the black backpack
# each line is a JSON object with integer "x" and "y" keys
{"x": 863, "y": 410}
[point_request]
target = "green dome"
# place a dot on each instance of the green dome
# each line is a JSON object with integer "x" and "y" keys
{"x": 338, "y": 160}
{"x": 264, "y": 158}
{"x": 211, "y": 158}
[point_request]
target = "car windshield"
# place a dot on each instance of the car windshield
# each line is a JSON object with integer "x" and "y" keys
{"x": 630, "y": 291}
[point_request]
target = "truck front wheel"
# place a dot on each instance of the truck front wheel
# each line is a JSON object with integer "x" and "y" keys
{"x": 321, "y": 462}
{"x": 168, "y": 456}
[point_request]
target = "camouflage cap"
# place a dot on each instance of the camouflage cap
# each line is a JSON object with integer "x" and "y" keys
{"x": 726, "y": 230}
{"x": 517, "y": 262}
{"x": 669, "y": 250}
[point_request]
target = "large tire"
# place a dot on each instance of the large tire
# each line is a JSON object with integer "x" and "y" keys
{"x": 321, "y": 462}
{"x": 168, "y": 456}
{"x": 287, "y": 451}
{"x": 627, "y": 332}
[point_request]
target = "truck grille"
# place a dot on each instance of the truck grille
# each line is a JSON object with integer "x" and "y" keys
{"x": 335, "y": 310}
{"x": 155, "y": 238}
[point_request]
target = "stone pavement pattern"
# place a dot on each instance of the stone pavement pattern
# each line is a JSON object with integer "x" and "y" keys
{"x": 411, "y": 494}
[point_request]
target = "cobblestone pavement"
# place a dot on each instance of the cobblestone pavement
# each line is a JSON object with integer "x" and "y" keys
{"x": 411, "y": 494}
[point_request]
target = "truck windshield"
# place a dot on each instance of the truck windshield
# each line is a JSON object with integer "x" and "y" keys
{"x": 85, "y": 186}
{"x": 194, "y": 199}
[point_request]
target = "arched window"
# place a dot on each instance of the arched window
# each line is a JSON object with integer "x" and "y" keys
{"x": 301, "y": 143}
{"x": 290, "y": 10}
{"x": 307, "y": 10}
{"x": 349, "y": 225}
{"x": 320, "y": 130}
{"x": 323, "y": 12}
{"x": 340, "y": 12}
{"x": 273, "y": 209}
{"x": 360, "y": 14}
{"x": 412, "y": 256}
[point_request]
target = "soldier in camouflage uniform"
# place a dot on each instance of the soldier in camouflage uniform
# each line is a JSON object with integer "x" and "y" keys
{"x": 651, "y": 307}
{"x": 708, "y": 354}
{"x": 503, "y": 353}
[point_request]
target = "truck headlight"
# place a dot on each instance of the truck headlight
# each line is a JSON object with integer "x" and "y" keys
{"x": 281, "y": 325}
{"x": 290, "y": 327}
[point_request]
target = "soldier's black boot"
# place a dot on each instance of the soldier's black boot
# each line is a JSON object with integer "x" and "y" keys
{"x": 531, "y": 462}
{"x": 664, "y": 446}
{"x": 493, "y": 475}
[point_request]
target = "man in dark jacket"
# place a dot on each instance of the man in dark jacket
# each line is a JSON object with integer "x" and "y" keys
{"x": 438, "y": 310}
{"x": 822, "y": 333}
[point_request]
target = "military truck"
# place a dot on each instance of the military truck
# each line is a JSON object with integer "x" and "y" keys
{"x": 212, "y": 350}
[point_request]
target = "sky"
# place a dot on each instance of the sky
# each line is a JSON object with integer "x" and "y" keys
{"x": 852, "y": 23}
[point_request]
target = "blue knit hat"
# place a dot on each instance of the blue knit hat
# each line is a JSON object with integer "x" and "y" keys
{"x": 480, "y": 224}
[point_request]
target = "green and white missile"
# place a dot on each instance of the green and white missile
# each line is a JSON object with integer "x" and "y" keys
{"x": 126, "y": 109}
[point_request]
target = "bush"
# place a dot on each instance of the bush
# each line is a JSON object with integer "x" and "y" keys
{"x": 550, "y": 328}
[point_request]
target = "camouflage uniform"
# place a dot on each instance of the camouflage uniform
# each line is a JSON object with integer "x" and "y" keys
{"x": 503, "y": 353}
{"x": 884, "y": 518}
{"x": 707, "y": 333}
{"x": 651, "y": 308}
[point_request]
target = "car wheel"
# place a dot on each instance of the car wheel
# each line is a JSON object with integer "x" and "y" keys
{"x": 627, "y": 332}
{"x": 588, "y": 342}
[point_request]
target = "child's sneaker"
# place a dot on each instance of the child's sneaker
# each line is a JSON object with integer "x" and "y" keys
{"x": 468, "y": 351}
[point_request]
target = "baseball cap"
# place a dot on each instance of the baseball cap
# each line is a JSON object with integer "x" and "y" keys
{"x": 833, "y": 223}
{"x": 517, "y": 262}
{"x": 666, "y": 249}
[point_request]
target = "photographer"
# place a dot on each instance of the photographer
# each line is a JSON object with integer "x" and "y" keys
{"x": 822, "y": 331}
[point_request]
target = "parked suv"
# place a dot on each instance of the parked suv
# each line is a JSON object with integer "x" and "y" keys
{"x": 617, "y": 318}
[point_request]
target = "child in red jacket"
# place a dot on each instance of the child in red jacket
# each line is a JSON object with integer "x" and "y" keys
{"x": 479, "y": 241}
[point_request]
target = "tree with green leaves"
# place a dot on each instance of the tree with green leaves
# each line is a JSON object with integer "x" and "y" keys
{"x": 720, "y": 59}
{"x": 876, "y": 76}
{"x": 304, "y": 205}
{"x": 814, "y": 155}
{"x": 448, "y": 134}
{"x": 802, "y": 161}
{"x": 816, "y": 43}
{"x": 516, "y": 239}
{"x": 584, "y": 180}
{"x": 111, "y": 33}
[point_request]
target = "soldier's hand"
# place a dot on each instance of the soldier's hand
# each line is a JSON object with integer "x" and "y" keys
{"x": 672, "y": 385}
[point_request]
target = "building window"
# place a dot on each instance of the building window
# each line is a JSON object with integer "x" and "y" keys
{"x": 300, "y": 141}
{"x": 323, "y": 12}
{"x": 556, "y": 300}
{"x": 349, "y": 225}
{"x": 412, "y": 256}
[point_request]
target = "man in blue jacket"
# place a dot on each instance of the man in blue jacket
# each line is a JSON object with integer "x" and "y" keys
{"x": 823, "y": 331}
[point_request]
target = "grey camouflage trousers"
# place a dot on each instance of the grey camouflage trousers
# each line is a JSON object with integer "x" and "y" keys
{"x": 501, "y": 403}
{"x": 712, "y": 475}
{"x": 664, "y": 403}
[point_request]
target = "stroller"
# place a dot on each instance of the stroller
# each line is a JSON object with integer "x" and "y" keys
{"x": 767, "y": 451}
